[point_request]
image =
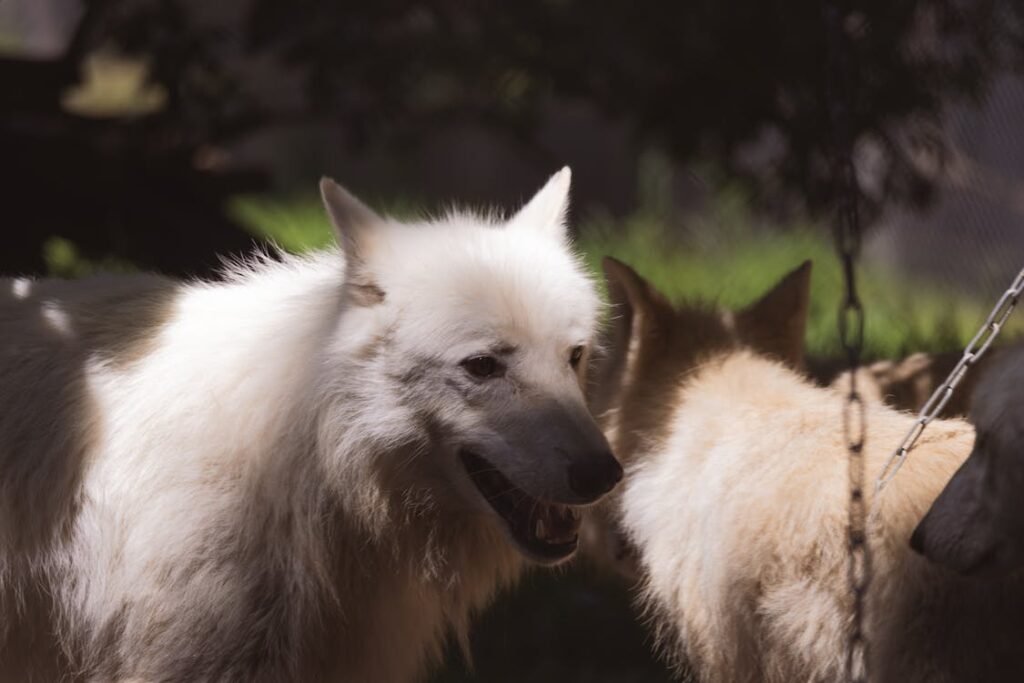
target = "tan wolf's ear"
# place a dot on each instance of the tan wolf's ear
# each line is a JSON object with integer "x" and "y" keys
{"x": 635, "y": 306}
{"x": 350, "y": 218}
{"x": 630, "y": 293}
{"x": 776, "y": 324}
{"x": 352, "y": 221}
{"x": 545, "y": 213}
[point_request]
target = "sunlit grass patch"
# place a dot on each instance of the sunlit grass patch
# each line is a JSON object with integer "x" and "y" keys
{"x": 295, "y": 224}
{"x": 901, "y": 315}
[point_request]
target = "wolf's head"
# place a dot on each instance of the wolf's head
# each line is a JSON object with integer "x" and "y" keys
{"x": 466, "y": 335}
{"x": 654, "y": 347}
{"x": 976, "y": 525}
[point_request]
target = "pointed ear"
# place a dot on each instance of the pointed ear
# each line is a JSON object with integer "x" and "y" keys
{"x": 546, "y": 211}
{"x": 635, "y": 303}
{"x": 630, "y": 292}
{"x": 776, "y": 324}
{"x": 349, "y": 216}
{"x": 351, "y": 220}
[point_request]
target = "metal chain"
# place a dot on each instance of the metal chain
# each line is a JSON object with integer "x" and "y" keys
{"x": 851, "y": 333}
{"x": 976, "y": 348}
{"x": 851, "y": 336}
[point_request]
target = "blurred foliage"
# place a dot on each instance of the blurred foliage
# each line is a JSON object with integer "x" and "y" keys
{"x": 63, "y": 259}
{"x": 108, "y": 144}
{"x": 292, "y": 223}
{"x": 752, "y": 88}
{"x": 114, "y": 86}
{"x": 751, "y": 84}
{"x": 207, "y": 98}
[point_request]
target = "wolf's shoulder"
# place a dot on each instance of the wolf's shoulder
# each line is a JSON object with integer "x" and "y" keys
{"x": 106, "y": 312}
{"x": 21, "y": 294}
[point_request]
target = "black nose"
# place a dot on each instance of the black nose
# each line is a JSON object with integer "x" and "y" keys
{"x": 594, "y": 476}
{"x": 917, "y": 539}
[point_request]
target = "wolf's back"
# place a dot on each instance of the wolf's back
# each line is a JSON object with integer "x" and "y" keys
{"x": 749, "y": 566}
{"x": 50, "y": 331}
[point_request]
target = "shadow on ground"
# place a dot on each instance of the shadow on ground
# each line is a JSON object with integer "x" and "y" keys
{"x": 563, "y": 627}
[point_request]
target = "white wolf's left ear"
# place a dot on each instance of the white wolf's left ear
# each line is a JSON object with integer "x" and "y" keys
{"x": 350, "y": 218}
{"x": 546, "y": 211}
{"x": 352, "y": 221}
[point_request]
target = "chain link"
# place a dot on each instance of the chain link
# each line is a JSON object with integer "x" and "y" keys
{"x": 850, "y": 321}
{"x": 976, "y": 348}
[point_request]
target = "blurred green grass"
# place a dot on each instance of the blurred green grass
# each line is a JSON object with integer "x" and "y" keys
{"x": 718, "y": 257}
{"x": 63, "y": 260}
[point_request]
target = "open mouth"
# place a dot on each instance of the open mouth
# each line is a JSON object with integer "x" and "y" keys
{"x": 546, "y": 532}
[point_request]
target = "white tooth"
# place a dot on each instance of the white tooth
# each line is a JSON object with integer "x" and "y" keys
{"x": 539, "y": 529}
{"x": 574, "y": 514}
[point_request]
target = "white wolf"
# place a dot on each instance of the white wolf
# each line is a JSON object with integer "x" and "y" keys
{"x": 736, "y": 500}
{"x": 314, "y": 470}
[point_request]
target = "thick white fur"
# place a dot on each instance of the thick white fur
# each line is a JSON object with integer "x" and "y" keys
{"x": 251, "y": 480}
{"x": 739, "y": 515}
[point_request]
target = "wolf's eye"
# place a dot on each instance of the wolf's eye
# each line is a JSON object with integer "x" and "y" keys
{"x": 575, "y": 356}
{"x": 483, "y": 367}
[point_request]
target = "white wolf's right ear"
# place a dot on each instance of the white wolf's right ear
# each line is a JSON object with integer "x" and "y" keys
{"x": 350, "y": 218}
{"x": 546, "y": 211}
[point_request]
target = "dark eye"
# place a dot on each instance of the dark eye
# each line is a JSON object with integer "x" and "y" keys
{"x": 575, "y": 356}
{"x": 483, "y": 367}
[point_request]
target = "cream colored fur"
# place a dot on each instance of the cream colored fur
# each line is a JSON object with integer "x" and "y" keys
{"x": 735, "y": 500}
{"x": 255, "y": 480}
{"x": 739, "y": 517}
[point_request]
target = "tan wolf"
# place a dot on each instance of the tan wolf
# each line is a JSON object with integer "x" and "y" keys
{"x": 736, "y": 501}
